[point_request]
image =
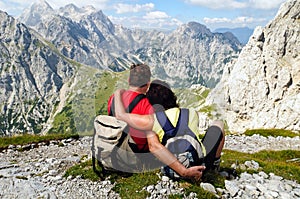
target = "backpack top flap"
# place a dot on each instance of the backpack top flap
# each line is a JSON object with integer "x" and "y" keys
{"x": 108, "y": 126}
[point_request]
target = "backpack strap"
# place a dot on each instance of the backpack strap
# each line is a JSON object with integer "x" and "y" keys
{"x": 183, "y": 124}
{"x": 134, "y": 102}
{"x": 130, "y": 107}
{"x": 183, "y": 120}
{"x": 167, "y": 126}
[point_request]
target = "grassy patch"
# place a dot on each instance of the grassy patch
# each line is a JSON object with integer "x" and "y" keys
{"x": 106, "y": 87}
{"x": 192, "y": 97}
{"x": 28, "y": 139}
{"x": 132, "y": 186}
{"x": 271, "y": 132}
{"x": 64, "y": 121}
{"x": 208, "y": 109}
{"x": 84, "y": 169}
{"x": 277, "y": 162}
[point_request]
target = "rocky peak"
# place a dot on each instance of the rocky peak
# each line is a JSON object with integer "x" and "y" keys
{"x": 193, "y": 30}
{"x": 198, "y": 28}
{"x": 102, "y": 19}
{"x": 38, "y": 10}
{"x": 73, "y": 12}
{"x": 262, "y": 89}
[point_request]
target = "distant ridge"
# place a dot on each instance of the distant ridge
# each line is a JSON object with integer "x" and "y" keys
{"x": 243, "y": 34}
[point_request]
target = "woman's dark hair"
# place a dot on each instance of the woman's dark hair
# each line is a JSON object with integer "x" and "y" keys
{"x": 160, "y": 93}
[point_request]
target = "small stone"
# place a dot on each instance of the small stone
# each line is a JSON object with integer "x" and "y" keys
{"x": 231, "y": 187}
{"x": 165, "y": 178}
{"x": 150, "y": 188}
{"x": 208, "y": 187}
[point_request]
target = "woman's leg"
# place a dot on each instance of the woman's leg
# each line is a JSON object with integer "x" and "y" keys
{"x": 213, "y": 142}
{"x": 220, "y": 124}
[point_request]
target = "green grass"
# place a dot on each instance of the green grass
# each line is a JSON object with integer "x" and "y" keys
{"x": 29, "y": 139}
{"x": 88, "y": 98}
{"x": 131, "y": 187}
{"x": 271, "y": 132}
{"x": 84, "y": 170}
{"x": 64, "y": 121}
{"x": 192, "y": 97}
{"x": 106, "y": 87}
{"x": 271, "y": 162}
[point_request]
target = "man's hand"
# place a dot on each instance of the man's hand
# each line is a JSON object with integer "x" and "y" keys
{"x": 194, "y": 172}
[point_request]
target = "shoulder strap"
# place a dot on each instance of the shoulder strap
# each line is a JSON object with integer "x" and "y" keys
{"x": 164, "y": 121}
{"x": 167, "y": 126}
{"x": 183, "y": 120}
{"x": 134, "y": 102}
{"x": 130, "y": 107}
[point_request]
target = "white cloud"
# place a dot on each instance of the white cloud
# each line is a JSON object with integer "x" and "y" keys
{"x": 99, "y": 4}
{"x": 152, "y": 20}
{"x": 219, "y": 4}
{"x": 266, "y": 4}
{"x": 2, "y": 5}
{"x": 238, "y": 4}
{"x": 127, "y": 8}
{"x": 236, "y": 22}
{"x": 156, "y": 15}
{"x": 13, "y": 7}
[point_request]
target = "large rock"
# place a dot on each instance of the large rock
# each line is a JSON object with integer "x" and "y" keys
{"x": 262, "y": 88}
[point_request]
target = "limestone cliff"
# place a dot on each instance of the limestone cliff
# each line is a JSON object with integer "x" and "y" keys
{"x": 262, "y": 88}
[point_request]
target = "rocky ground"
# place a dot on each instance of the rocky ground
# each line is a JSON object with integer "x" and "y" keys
{"x": 38, "y": 171}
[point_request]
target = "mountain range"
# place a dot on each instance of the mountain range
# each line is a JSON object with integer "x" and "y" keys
{"x": 191, "y": 54}
{"x": 52, "y": 62}
{"x": 58, "y": 68}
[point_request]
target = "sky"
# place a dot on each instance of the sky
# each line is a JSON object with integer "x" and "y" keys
{"x": 169, "y": 14}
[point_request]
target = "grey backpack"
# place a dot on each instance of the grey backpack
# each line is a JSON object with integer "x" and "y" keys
{"x": 111, "y": 143}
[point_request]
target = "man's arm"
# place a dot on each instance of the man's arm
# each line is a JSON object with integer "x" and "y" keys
{"x": 165, "y": 156}
{"x": 141, "y": 122}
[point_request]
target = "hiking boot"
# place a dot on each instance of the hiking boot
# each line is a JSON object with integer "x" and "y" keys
{"x": 216, "y": 165}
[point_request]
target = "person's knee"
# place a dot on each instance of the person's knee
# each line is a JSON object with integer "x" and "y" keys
{"x": 219, "y": 124}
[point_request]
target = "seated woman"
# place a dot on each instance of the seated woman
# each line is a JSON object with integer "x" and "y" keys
{"x": 163, "y": 99}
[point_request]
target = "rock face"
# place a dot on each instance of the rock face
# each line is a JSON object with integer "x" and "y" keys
{"x": 31, "y": 77}
{"x": 189, "y": 55}
{"x": 262, "y": 88}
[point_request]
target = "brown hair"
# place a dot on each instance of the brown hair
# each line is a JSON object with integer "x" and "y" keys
{"x": 160, "y": 93}
{"x": 140, "y": 75}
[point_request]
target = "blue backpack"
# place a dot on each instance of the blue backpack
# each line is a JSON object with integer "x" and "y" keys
{"x": 180, "y": 141}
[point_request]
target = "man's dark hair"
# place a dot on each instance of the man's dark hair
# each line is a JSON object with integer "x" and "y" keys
{"x": 160, "y": 93}
{"x": 140, "y": 75}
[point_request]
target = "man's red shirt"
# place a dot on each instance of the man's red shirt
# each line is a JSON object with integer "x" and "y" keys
{"x": 143, "y": 107}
